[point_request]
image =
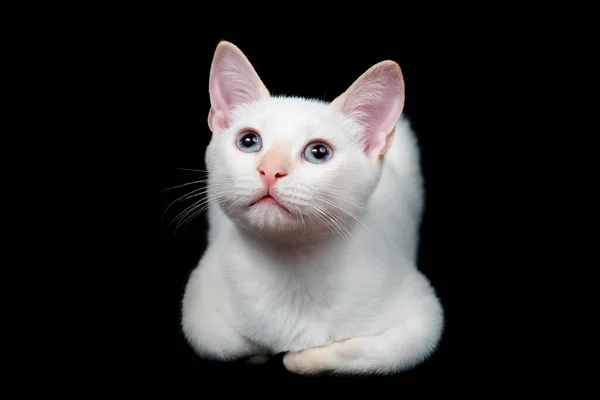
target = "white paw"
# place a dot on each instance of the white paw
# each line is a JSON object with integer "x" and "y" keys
{"x": 303, "y": 362}
{"x": 257, "y": 359}
{"x": 293, "y": 362}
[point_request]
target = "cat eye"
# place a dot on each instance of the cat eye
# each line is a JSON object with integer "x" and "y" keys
{"x": 249, "y": 142}
{"x": 317, "y": 152}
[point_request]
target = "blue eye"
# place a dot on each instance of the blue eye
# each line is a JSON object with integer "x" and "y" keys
{"x": 317, "y": 153}
{"x": 249, "y": 142}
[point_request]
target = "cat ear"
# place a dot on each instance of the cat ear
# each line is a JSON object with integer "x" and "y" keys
{"x": 233, "y": 82}
{"x": 375, "y": 100}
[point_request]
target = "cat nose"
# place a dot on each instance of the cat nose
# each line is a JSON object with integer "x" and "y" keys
{"x": 271, "y": 172}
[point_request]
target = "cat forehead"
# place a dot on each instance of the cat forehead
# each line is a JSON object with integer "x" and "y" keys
{"x": 289, "y": 114}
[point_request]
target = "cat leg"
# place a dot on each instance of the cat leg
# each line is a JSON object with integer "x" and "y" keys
{"x": 212, "y": 337}
{"x": 394, "y": 350}
{"x": 206, "y": 326}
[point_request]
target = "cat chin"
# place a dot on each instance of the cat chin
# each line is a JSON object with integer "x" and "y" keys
{"x": 269, "y": 217}
{"x": 272, "y": 221}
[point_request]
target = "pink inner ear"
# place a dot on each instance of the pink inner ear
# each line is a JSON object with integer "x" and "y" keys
{"x": 375, "y": 100}
{"x": 216, "y": 122}
{"x": 233, "y": 82}
{"x": 388, "y": 140}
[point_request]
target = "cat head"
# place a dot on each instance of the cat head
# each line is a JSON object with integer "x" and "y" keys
{"x": 293, "y": 167}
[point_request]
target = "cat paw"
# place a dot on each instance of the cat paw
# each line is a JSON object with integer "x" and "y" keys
{"x": 307, "y": 361}
{"x": 257, "y": 359}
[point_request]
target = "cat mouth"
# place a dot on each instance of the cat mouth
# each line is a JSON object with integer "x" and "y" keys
{"x": 269, "y": 200}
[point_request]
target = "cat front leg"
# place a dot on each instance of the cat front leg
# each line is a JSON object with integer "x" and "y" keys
{"x": 208, "y": 324}
{"x": 394, "y": 350}
{"x": 212, "y": 337}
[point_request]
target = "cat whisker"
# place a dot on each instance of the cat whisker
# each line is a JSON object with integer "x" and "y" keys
{"x": 318, "y": 216}
{"x": 201, "y": 202}
{"x": 342, "y": 199}
{"x": 202, "y": 205}
{"x": 309, "y": 198}
{"x": 191, "y": 217}
{"x": 193, "y": 193}
{"x": 194, "y": 215}
{"x": 341, "y": 196}
{"x": 336, "y": 225}
{"x": 232, "y": 207}
{"x": 199, "y": 211}
{"x": 194, "y": 206}
{"x": 344, "y": 225}
{"x": 341, "y": 209}
{"x": 184, "y": 197}
{"x": 185, "y": 184}
{"x": 341, "y": 229}
{"x": 299, "y": 212}
{"x": 200, "y": 181}
{"x": 192, "y": 170}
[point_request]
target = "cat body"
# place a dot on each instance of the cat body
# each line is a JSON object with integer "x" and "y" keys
{"x": 314, "y": 213}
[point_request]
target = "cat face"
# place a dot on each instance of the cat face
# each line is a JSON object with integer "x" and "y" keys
{"x": 288, "y": 164}
{"x": 291, "y": 166}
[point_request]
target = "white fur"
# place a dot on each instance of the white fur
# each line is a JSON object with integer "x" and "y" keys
{"x": 338, "y": 291}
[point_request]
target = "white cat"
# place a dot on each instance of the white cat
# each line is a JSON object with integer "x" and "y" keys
{"x": 313, "y": 231}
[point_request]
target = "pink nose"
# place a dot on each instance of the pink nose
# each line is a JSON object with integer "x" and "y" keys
{"x": 271, "y": 172}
